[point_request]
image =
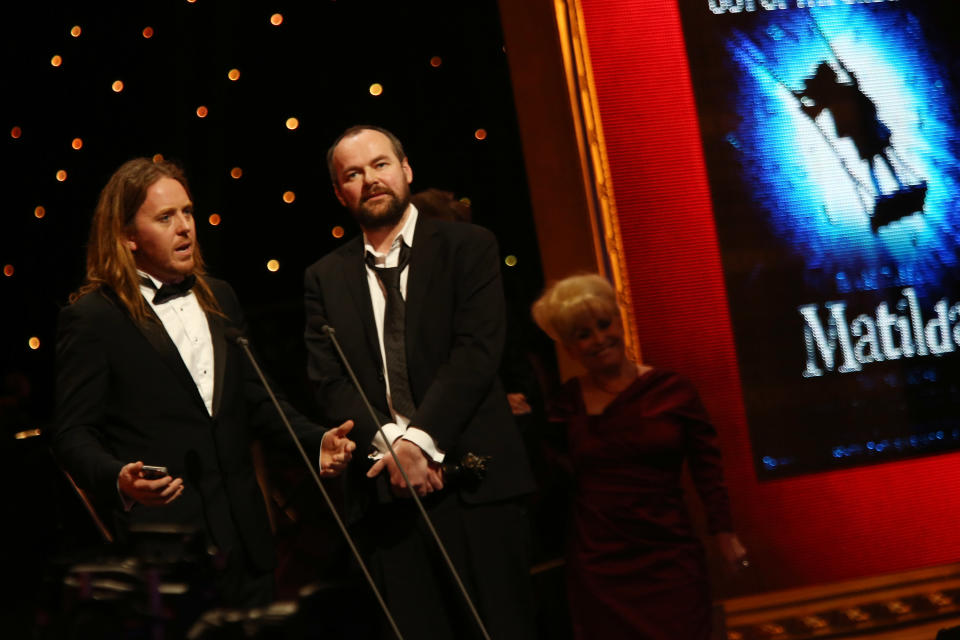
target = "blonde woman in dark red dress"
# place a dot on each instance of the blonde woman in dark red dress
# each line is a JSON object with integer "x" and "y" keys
{"x": 635, "y": 567}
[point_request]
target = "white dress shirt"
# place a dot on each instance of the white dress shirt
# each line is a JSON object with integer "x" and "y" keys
{"x": 400, "y": 427}
{"x": 186, "y": 324}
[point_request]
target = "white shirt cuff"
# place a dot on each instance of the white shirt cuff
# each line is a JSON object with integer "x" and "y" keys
{"x": 426, "y": 442}
{"x": 418, "y": 437}
{"x": 392, "y": 431}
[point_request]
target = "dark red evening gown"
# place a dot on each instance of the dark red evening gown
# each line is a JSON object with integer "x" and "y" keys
{"x": 635, "y": 568}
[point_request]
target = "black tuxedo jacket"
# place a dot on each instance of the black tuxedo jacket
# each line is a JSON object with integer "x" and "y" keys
{"x": 124, "y": 394}
{"x": 455, "y": 329}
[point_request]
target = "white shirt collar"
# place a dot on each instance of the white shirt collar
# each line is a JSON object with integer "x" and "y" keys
{"x": 143, "y": 274}
{"x": 405, "y": 235}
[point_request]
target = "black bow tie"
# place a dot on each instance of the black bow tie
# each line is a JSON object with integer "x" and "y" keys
{"x": 170, "y": 291}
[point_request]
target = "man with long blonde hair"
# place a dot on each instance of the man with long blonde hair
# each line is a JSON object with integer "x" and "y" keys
{"x": 147, "y": 374}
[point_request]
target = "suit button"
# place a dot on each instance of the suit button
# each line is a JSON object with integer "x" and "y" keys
{"x": 380, "y": 376}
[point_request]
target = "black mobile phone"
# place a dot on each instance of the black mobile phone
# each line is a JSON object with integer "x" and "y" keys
{"x": 154, "y": 473}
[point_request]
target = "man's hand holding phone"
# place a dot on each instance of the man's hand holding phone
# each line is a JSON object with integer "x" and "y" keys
{"x": 151, "y": 472}
{"x": 148, "y": 485}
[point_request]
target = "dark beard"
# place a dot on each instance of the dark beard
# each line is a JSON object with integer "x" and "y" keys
{"x": 385, "y": 218}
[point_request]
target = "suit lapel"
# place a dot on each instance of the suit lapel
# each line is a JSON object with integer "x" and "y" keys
{"x": 355, "y": 277}
{"x": 157, "y": 336}
{"x": 423, "y": 256}
{"x": 219, "y": 358}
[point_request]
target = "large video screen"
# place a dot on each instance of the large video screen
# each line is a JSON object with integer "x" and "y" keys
{"x": 831, "y": 134}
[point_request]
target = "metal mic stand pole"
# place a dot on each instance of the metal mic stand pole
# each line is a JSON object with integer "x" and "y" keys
{"x": 245, "y": 345}
{"x": 413, "y": 493}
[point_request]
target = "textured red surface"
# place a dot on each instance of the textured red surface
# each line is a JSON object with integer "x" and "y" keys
{"x": 814, "y": 528}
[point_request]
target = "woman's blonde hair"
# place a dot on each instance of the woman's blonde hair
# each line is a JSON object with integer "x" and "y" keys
{"x": 569, "y": 302}
{"x": 110, "y": 263}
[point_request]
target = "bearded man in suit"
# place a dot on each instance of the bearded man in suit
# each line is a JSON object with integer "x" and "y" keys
{"x": 147, "y": 372}
{"x": 417, "y": 305}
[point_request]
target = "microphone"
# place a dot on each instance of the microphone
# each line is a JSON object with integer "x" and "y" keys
{"x": 318, "y": 322}
{"x": 236, "y": 336}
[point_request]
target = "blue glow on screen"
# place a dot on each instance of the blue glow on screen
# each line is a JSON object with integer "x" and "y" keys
{"x": 806, "y": 178}
{"x": 913, "y": 443}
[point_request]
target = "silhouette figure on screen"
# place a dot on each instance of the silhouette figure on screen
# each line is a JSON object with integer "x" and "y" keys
{"x": 855, "y": 116}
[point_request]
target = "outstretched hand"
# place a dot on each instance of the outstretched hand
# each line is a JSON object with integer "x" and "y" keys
{"x": 336, "y": 450}
{"x": 154, "y": 493}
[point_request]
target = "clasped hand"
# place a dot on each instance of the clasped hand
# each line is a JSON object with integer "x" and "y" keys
{"x": 425, "y": 475}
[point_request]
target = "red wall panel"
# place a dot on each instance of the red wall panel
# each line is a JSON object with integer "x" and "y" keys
{"x": 815, "y": 528}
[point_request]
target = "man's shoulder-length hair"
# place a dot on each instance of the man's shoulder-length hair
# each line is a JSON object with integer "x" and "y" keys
{"x": 110, "y": 262}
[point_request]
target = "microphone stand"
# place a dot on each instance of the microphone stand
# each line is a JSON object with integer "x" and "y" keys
{"x": 245, "y": 345}
{"x": 327, "y": 329}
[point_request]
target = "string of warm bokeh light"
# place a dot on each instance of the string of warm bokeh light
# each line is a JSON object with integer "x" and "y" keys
{"x": 68, "y": 66}
{"x": 246, "y": 100}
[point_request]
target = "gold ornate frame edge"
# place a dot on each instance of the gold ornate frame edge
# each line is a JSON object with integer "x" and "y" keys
{"x": 593, "y": 159}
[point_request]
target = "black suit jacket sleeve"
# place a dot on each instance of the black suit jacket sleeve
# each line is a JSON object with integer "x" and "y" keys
{"x": 466, "y": 377}
{"x": 83, "y": 388}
